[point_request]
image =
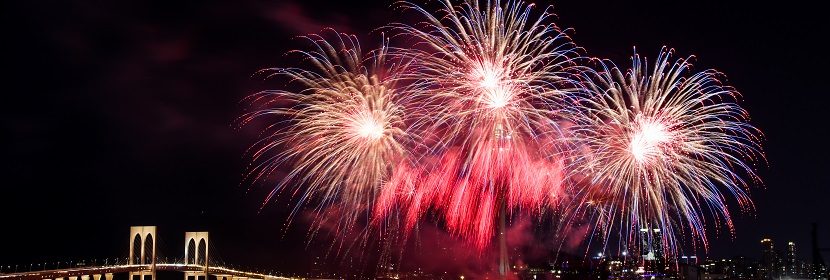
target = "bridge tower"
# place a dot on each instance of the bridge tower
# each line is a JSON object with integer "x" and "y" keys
{"x": 143, "y": 252}
{"x": 196, "y": 244}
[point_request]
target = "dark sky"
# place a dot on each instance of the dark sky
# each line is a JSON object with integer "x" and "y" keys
{"x": 122, "y": 113}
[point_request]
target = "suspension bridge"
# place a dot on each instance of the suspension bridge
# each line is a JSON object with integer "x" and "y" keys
{"x": 143, "y": 263}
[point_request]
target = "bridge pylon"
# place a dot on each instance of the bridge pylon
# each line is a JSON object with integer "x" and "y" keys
{"x": 196, "y": 244}
{"x": 143, "y": 252}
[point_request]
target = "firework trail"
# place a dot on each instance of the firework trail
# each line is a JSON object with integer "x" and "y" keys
{"x": 492, "y": 82}
{"x": 663, "y": 147}
{"x": 342, "y": 132}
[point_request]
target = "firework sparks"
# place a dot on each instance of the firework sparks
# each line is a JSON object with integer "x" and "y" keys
{"x": 342, "y": 132}
{"x": 489, "y": 115}
{"x": 493, "y": 83}
{"x": 662, "y": 146}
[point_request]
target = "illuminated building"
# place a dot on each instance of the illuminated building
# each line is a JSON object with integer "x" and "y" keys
{"x": 769, "y": 260}
{"x": 791, "y": 261}
{"x": 651, "y": 244}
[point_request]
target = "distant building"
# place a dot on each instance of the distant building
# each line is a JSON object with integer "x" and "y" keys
{"x": 741, "y": 268}
{"x": 689, "y": 271}
{"x": 791, "y": 262}
{"x": 769, "y": 260}
{"x": 651, "y": 244}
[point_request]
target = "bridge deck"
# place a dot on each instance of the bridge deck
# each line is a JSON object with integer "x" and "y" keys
{"x": 82, "y": 271}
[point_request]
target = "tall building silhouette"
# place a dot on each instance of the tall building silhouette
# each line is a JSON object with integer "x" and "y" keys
{"x": 791, "y": 262}
{"x": 769, "y": 259}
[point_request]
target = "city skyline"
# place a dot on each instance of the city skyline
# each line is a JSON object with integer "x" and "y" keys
{"x": 122, "y": 114}
{"x": 774, "y": 264}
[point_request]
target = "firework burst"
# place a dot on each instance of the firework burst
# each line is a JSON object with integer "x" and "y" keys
{"x": 492, "y": 83}
{"x": 662, "y": 148}
{"x": 341, "y": 132}
{"x": 489, "y": 114}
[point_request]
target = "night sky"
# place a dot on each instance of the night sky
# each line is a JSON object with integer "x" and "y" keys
{"x": 123, "y": 113}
